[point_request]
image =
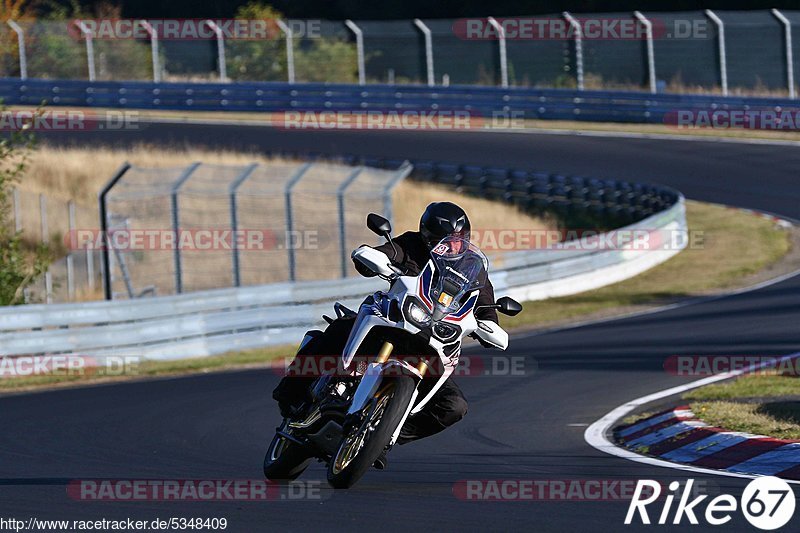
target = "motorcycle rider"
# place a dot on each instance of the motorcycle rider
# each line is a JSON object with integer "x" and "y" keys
{"x": 411, "y": 252}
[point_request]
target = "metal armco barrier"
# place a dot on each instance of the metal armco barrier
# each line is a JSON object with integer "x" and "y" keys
{"x": 208, "y": 322}
{"x": 488, "y": 103}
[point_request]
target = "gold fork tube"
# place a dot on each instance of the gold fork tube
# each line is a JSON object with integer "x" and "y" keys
{"x": 386, "y": 351}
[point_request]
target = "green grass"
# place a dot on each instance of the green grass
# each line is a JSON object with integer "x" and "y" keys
{"x": 736, "y": 244}
{"x": 750, "y": 386}
{"x": 757, "y": 403}
{"x": 775, "y": 419}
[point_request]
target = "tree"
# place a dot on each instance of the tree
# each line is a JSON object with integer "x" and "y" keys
{"x": 20, "y": 264}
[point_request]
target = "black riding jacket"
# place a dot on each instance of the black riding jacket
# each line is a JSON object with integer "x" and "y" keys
{"x": 413, "y": 254}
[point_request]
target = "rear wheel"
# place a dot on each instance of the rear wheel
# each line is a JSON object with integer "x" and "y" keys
{"x": 285, "y": 460}
{"x": 362, "y": 445}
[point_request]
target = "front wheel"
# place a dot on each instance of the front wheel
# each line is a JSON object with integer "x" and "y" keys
{"x": 364, "y": 444}
{"x": 285, "y": 461}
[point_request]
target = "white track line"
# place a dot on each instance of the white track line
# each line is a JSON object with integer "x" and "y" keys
{"x": 597, "y": 434}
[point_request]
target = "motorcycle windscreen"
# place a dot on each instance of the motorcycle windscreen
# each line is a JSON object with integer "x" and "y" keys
{"x": 459, "y": 265}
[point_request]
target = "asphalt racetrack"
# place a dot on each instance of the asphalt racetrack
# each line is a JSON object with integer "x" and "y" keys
{"x": 518, "y": 427}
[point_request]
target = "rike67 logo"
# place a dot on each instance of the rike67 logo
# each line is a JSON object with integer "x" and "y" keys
{"x": 767, "y": 503}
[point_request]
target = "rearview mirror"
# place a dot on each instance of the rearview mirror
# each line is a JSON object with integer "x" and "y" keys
{"x": 508, "y": 306}
{"x": 379, "y": 225}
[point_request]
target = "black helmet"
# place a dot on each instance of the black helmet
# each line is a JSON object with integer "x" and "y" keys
{"x": 441, "y": 219}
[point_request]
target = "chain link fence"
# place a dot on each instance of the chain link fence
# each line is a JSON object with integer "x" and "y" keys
{"x": 693, "y": 51}
{"x": 170, "y": 231}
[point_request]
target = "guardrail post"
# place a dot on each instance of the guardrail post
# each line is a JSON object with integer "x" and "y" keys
{"x": 576, "y": 27}
{"x": 23, "y": 57}
{"x": 101, "y": 198}
{"x": 340, "y": 201}
{"x": 426, "y": 32}
{"x": 723, "y": 58}
{"x": 234, "y": 186}
{"x": 362, "y": 76}
{"x": 89, "y": 48}
{"x": 501, "y": 38}
{"x": 153, "y": 49}
{"x": 401, "y": 174}
{"x": 787, "y": 35}
{"x": 287, "y": 31}
{"x": 70, "y": 256}
{"x": 290, "y": 218}
{"x": 223, "y": 67}
{"x": 176, "y": 224}
{"x": 651, "y": 59}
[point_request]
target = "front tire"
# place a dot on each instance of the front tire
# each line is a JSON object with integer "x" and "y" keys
{"x": 363, "y": 445}
{"x": 284, "y": 461}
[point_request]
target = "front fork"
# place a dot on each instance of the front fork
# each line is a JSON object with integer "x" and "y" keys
{"x": 374, "y": 376}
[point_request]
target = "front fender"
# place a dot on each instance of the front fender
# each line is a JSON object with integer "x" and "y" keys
{"x": 373, "y": 378}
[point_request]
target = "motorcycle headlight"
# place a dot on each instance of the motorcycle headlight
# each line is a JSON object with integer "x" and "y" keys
{"x": 416, "y": 313}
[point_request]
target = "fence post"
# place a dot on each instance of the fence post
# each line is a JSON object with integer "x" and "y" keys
{"x": 48, "y": 276}
{"x": 426, "y": 32}
{"x": 289, "y": 216}
{"x": 89, "y": 47}
{"x": 153, "y": 49}
{"x": 723, "y": 58}
{"x": 576, "y": 27}
{"x": 340, "y": 201}
{"x": 362, "y": 76}
{"x": 402, "y": 173}
{"x": 787, "y": 35}
{"x": 223, "y": 67}
{"x": 23, "y": 57}
{"x": 176, "y": 223}
{"x": 234, "y": 186}
{"x": 651, "y": 58}
{"x": 501, "y": 38}
{"x": 287, "y": 31}
{"x": 70, "y": 257}
{"x": 101, "y": 199}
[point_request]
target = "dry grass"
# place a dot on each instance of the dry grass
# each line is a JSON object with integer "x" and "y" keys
{"x": 77, "y": 174}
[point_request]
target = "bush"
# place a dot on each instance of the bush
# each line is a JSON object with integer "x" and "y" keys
{"x": 20, "y": 265}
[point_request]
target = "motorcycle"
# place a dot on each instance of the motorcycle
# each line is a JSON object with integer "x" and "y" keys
{"x": 357, "y": 412}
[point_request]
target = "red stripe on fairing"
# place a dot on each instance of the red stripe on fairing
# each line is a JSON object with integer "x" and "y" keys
{"x": 464, "y": 311}
{"x": 738, "y": 453}
{"x": 424, "y": 297}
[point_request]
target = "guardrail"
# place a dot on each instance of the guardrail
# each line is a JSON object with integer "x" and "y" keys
{"x": 209, "y": 322}
{"x": 488, "y": 102}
